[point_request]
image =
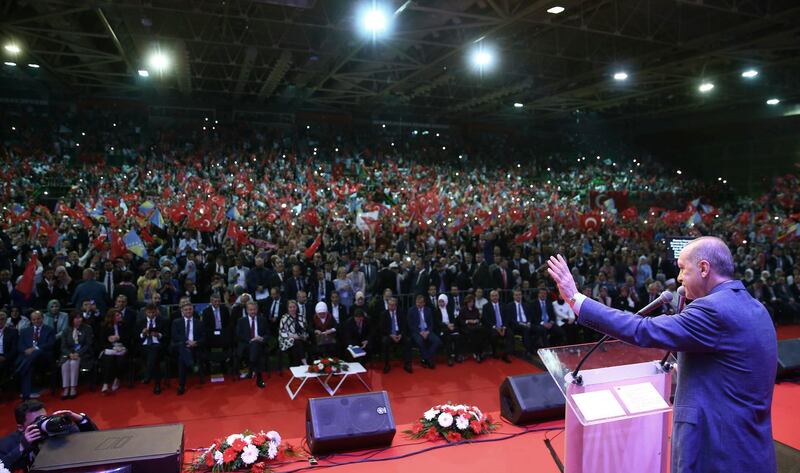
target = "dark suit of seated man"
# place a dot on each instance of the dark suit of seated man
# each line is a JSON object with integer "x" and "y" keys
{"x": 521, "y": 319}
{"x": 36, "y": 350}
{"x": 357, "y": 331}
{"x": 188, "y": 341}
{"x": 219, "y": 329}
{"x": 8, "y": 347}
{"x": 18, "y": 449}
{"x": 393, "y": 332}
{"x": 152, "y": 330}
{"x": 251, "y": 334}
{"x": 544, "y": 322}
{"x": 500, "y": 334}
{"x": 420, "y": 326}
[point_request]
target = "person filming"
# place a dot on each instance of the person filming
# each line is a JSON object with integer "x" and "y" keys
{"x": 19, "y": 449}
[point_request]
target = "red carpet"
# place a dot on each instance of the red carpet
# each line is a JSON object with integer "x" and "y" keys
{"x": 216, "y": 409}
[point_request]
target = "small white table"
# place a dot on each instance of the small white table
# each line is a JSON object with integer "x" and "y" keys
{"x": 301, "y": 373}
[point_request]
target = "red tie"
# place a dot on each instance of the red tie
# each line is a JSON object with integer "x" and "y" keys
{"x": 252, "y": 327}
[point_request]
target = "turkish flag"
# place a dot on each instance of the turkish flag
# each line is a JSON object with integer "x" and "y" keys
{"x": 25, "y": 285}
{"x": 313, "y": 247}
{"x": 118, "y": 247}
{"x": 590, "y": 221}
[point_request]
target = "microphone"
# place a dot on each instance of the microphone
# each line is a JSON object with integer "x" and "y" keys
{"x": 664, "y": 298}
{"x": 681, "y": 298}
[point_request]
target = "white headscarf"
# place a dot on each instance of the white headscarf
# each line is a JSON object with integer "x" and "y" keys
{"x": 445, "y": 315}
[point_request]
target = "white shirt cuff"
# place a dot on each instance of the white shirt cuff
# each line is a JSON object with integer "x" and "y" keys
{"x": 576, "y": 306}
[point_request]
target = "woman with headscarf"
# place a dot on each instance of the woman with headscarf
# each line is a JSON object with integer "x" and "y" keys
{"x": 446, "y": 324}
{"x": 324, "y": 327}
{"x": 55, "y": 318}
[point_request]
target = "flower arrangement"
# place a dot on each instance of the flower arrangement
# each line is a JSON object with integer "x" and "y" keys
{"x": 3, "y": 468}
{"x": 453, "y": 423}
{"x": 328, "y": 366}
{"x": 243, "y": 452}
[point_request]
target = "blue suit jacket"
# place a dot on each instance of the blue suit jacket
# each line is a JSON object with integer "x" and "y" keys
{"x": 47, "y": 340}
{"x": 727, "y": 357}
{"x": 413, "y": 319}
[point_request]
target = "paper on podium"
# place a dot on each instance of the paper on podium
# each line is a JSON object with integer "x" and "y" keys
{"x": 598, "y": 405}
{"x": 642, "y": 397}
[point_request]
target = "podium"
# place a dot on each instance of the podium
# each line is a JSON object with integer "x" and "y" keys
{"x": 618, "y": 416}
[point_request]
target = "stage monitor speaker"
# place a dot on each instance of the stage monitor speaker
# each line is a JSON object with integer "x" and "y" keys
{"x": 788, "y": 356}
{"x": 133, "y": 450}
{"x": 529, "y": 398}
{"x": 354, "y": 422}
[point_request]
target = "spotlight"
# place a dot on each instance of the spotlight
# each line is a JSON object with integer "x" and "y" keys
{"x": 144, "y": 73}
{"x": 483, "y": 58}
{"x": 773, "y": 101}
{"x": 518, "y": 105}
{"x": 621, "y": 76}
{"x": 555, "y": 10}
{"x": 9, "y": 63}
{"x": 705, "y": 87}
{"x": 12, "y": 48}
{"x": 374, "y": 21}
{"x": 750, "y": 74}
{"x": 33, "y": 66}
{"x": 159, "y": 61}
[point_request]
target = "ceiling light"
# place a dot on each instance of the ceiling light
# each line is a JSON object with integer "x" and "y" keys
{"x": 145, "y": 73}
{"x": 750, "y": 73}
{"x": 374, "y": 21}
{"x": 773, "y": 101}
{"x": 33, "y": 66}
{"x": 9, "y": 63}
{"x": 159, "y": 61}
{"x": 705, "y": 87}
{"x": 12, "y": 48}
{"x": 621, "y": 76}
{"x": 555, "y": 10}
{"x": 518, "y": 105}
{"x": 483, "y": 58}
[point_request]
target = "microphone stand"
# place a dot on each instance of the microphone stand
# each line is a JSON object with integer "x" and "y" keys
{"x": 577, "y": 378}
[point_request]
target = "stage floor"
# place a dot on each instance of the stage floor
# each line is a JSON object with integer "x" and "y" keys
{"x": 213, "y": 410}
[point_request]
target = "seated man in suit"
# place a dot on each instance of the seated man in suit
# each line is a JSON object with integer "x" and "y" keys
{"x": 35, "y": 351}
{"x": 544, "y": 321}
{"x": 421, "y": 328}
{"x": 217, "y": 322}
{"x": 251, "y": 333}
{"x": 322, "y": 288}
{"x": 393, "y": 332}
{"x": 152, "y": 330}
{"x": 519, "y": 315}
{"x": 188, "y": 341}
{"x": 501, "y": 337}
{"x": 357, "y": 331}
{"x": 18, "y": 450}
{"x": 8, "y": 347}
{"x": 274, "y": 308}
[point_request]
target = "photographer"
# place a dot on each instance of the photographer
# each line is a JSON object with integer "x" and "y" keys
{"x": 18, "y": 449}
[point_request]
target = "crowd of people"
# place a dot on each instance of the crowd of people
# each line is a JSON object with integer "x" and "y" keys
{"x": 213, "y": 246}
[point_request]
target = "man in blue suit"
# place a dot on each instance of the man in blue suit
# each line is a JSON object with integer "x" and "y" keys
{"x": 727, "y": 357}
{"x": 91, "y": 290}
{"x": 35, "y": 350}
{"x": 188, "y": 342}
{"x": 420, "y": 327}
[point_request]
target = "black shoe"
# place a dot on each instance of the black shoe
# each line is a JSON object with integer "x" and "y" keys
{"x": 260, "y": 382}
{"x": 157, "y": 388}
{"x": 460, "y": 358}
{"x": 146, "y": 380}
{"x": 507, "y": 358}
{"x": 181, "y": 390}
{"x": 65, "y": 397}
{"x": 386, "y": 368}
{"x": 408, "y": 368}
{"x": 479, "y": 358}
{"x": 425, "y": 363}
{"x": 450, "y": 361}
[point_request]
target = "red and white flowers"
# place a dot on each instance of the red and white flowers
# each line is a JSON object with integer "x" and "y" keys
{"x": 453, "y": 422}
{"x": 247, "y": 451}
{"x": 3, "y": 468}
{"x": 328, "y": 366}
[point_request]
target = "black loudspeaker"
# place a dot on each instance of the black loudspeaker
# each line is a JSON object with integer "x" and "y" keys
{"x": 529, "y": 398}
{"x": 354, "y": 422}
{"x": 133, "y": 450}
{"x": 788, "y": 356}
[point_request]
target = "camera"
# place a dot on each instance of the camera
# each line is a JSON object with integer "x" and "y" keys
{"x": 53, "y": 425}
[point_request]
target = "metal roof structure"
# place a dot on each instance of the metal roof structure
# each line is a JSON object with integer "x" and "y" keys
{"x": 309, "y": 55}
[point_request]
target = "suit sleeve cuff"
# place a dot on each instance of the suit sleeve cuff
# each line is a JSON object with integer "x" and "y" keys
{"x": 576, "y": 302}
